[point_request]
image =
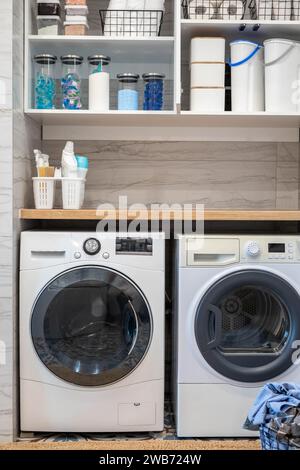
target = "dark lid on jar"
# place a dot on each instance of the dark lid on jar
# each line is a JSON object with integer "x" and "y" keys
{"x": 45, "y": 59}
{"x": 71, "y": 59}
{"x": 153, "y": 76}
{"x": 128, "y": 77}
{"x": 97, "y": 59}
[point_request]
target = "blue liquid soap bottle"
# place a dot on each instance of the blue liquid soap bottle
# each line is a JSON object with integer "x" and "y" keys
{"x": 128, "y": 95}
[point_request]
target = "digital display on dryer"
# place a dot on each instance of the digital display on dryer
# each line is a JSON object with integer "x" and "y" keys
{"x": 276, "y": 248}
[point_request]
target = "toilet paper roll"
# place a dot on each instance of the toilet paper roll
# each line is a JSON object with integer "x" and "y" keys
{"x": 264, "y": 9}
{"x": 208, "y": 49}
{"x": 231, "y": 10}
{"x": 208, "y": 75}
{"x": 202, "y": 9}
{"x": 282, "y": 10}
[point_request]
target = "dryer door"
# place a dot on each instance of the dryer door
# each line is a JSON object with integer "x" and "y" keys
{"x": 91, "y": 326}
{"x": 246, "y": 324}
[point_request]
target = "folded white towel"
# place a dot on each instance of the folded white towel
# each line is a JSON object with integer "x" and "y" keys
{"x": 114, "y": 22}
{"x": 264, "y": 9}
{"x": 296, "y": 10}
{"x": 282, "y": 10}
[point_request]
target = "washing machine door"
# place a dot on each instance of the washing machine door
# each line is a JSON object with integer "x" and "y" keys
{"x": 246, "y": 324}
{"x": 91, "y": 326}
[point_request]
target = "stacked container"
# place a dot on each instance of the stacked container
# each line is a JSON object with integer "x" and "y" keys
{"x": 207, "y": 74}
{"x": 48, "y": 17}
{"x": 76, "y": 22}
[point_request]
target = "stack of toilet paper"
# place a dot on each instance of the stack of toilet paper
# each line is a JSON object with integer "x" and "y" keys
{"x": 276, "y": 9}
{"x": 134, "y": 17}
{"x": 207, "y": 74}
{"x": 216, "y": 9}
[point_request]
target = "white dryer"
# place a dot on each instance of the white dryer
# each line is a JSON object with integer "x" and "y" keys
{"x": 92, "y": 332}
{"x": 237, "y": 325}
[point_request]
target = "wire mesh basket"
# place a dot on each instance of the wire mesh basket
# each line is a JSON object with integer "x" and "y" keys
{"x": 131, "y": 22}
{"x": 214, "y": 9}
{"x": 270, "y": 441}
{"x": 275, "y": 10}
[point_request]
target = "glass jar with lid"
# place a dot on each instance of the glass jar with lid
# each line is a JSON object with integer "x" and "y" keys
{"x": 45, "y": 87}
{"x": 153, "y": 91}
{"x": 99, "y": 82}
{"x": 71, "y": 81}
{"x": 128, "y": 95}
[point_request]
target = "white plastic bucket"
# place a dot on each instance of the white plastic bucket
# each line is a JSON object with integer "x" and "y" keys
{"x": 247, "y": 77}
{"x": 207, "y": 50}
{"x": 282, "y": 72}
{"x": 207, "y": 75}
{"x": 207, "y": 100}
{"x": 44, "y": 192}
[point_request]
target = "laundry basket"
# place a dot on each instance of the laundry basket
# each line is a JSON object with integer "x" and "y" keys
{"x": 44, "y": 192}
{"x": 270, "y": 441}
{"x": 73, "y": 192}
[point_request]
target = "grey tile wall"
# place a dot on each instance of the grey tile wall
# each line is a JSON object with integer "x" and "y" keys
{"x": 217, "y": 174}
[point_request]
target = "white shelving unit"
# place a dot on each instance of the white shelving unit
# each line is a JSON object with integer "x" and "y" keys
{"x": 166, "y": 53}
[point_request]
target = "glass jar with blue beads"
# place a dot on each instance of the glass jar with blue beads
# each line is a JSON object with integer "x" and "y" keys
{"x": 45, "y": 87}
{"x": 71, "y": 81}
{"x": 153, "y": 91}
{"x": 128, "y": 95}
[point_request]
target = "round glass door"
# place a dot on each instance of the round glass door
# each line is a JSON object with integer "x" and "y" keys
{"x": 91, "y": 326}
{"x": 246, "y": 324}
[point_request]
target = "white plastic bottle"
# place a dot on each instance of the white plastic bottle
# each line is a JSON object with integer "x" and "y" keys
{"x": 69, "y": 162}
{"x": 98, "y": 83}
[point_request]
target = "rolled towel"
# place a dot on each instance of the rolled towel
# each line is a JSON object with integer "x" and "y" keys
{"x": 282, "y": 10}
{"x": 203, "y": 9}
{"x": 114, "y": 20}
{"x": 231, "y": 10}
{"x": 264, "y": 9}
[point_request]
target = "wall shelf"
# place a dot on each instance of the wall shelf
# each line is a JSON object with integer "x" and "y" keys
{"x": 209, "y": 215}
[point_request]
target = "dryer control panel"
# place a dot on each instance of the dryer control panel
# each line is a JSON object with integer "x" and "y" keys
{"x": 222, "y": 250}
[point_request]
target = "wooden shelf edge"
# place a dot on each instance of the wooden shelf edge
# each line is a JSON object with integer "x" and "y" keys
{"x": 209, "y": 215}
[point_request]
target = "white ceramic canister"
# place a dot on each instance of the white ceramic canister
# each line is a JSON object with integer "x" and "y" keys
{"x": 207, "y": 100}
{"x": 207, "y": 49}
{"x": 247, "y": 77}
{"x": 207, "y": 75}
{"x": 99, "y": 83}
{"x": 282, "y": 74}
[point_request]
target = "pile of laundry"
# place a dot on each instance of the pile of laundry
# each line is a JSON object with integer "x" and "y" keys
{"x": 276, "y": 414}
{"x": 134, "y": 17}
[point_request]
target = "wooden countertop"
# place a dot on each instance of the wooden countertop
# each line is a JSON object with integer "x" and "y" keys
{"x": 209, "y": 215}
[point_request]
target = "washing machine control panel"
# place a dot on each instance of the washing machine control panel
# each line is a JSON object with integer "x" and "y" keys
{"x": 132, "y": 245}
{"x": 274, "y": 249}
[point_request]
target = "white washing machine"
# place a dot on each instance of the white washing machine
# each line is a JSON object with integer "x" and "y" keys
{"x": 92, "y": 332}
{"x": 237, "y": 320}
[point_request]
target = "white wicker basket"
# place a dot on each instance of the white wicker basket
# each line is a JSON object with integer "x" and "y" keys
{"x": 44, "y": 192}
{"x": 73, "y": 192}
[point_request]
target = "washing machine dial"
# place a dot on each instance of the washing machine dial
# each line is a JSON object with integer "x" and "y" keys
{"x": 92, "y": 246}
{"x": 252, "y": 249}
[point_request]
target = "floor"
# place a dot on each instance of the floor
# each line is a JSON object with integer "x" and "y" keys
{"x": 166, "y": 439}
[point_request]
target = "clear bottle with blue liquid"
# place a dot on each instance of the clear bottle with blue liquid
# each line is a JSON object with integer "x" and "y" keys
{"x": 153, "y": 91}
{"x": 128, "y": 95}
{"x": 45, "y": 86}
